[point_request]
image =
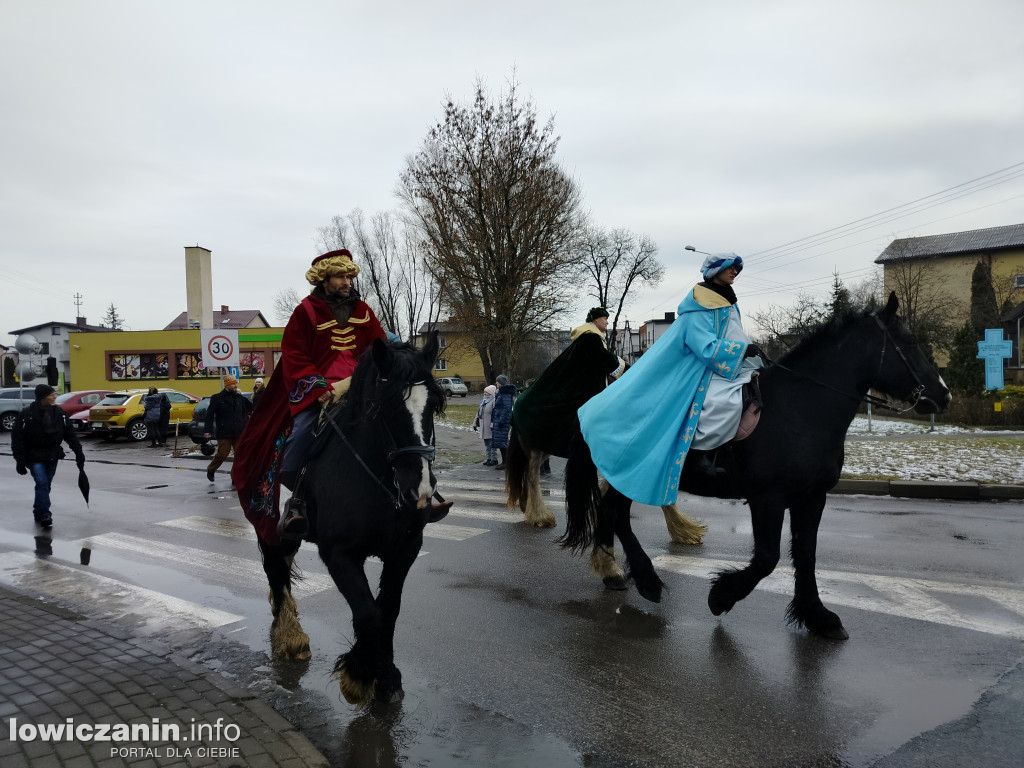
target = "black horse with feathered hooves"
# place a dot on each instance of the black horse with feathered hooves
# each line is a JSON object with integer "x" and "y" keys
{"x": 790, "y": 461}
{"x": 522, "y": 484}
{"x": 369, "y": 488}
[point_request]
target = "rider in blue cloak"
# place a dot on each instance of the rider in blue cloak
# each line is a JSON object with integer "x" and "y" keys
{"x": 684, "y": 392}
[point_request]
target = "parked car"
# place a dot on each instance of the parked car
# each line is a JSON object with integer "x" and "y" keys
{"x": 120, "y": 413}
{"x": 12, "y": 401}
{"x": 453, "y": 385}
{"x": 80, "y": 421}
{"x": 197, "y": 427}
{"x": 82, "y": 400}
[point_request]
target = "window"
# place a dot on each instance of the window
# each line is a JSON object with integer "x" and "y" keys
{"x": 441, "y": 364}
{"x": 442, "y": 342}
{"x": 252, "y": 363}
{"x": 190, "y": 366}
{"x": 55, "y": 330}
{"x": 153, "y": 366}
{"x": 124, "y": 366}
{"x": 1018, "y": 281}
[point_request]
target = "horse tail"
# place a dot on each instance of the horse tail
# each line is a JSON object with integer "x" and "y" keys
{"x": 517, "y": 474}
{"x": 582, "y": 497}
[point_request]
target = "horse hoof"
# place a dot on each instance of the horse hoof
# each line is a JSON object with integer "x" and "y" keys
{"x": 615, "y": 582}
{"x": 718, "y": 605}
{"x": 649, "y": 586}
{"x": 834, "y": 633}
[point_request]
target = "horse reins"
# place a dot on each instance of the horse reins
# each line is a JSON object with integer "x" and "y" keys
{"x": 867, "y": 398}
{"x": 427, "y": 452}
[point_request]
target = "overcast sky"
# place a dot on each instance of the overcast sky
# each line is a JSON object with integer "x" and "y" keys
{"x": 130, "y": 129}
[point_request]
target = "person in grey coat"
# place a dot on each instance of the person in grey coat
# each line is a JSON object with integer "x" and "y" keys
{"x": 153, "y": 403}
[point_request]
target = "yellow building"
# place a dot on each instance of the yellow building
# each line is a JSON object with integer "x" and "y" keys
{"x": 458, "y": 356}
{"x": 941, "y": 266}
{"x": 137, "y": 359}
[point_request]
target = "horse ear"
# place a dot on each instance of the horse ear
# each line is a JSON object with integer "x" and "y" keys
{"x": 889, "y": 312}
{"x": 382, "y": 357}
{"x": 430, "y": 349}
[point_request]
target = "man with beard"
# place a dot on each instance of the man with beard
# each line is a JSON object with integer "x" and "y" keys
{"x": 320, "y": 347}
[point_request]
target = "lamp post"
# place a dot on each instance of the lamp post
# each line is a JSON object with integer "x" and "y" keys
{"x": 26, "y": 344}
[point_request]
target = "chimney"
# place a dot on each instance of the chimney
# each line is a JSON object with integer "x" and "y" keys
{"x": 223, "y": 309}
{"x": 80, "y": 321}
{"x": 199, "y": 286}
{"x": 670, "y": 316}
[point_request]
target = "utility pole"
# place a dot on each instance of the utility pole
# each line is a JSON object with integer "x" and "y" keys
{"x": 78, "y": 305}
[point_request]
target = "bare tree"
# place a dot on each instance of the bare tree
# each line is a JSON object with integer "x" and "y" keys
{"x": 615, "y": 262}
{"x": 285, "y": 302}
{"x": 782, "y": 328}
{"x": 925, "y": 304}
{"x": 393, "y": 276}
{"x": 499, "y": 215}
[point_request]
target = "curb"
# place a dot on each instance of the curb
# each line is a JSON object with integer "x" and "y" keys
{"x": 932, "y": 489}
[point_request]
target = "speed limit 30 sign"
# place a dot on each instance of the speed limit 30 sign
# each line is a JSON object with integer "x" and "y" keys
{"x": 220, "y": 348}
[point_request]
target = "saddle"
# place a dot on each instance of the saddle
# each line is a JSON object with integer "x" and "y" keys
{"x": 752, "y": 405}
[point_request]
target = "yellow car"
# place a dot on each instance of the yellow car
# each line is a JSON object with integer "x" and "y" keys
{"x": 120, "y": 413}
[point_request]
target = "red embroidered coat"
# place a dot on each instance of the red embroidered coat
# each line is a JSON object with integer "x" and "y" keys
{"x": 315, "y": 353}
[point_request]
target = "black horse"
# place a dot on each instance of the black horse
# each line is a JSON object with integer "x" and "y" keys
{"x": 370, "y": 486}
{"x": 790, "y": 461}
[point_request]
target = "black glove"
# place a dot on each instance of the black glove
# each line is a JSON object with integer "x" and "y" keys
{"x": 80, "y": 460}
{"x": 22, "y": 469}
{"x": 752, "y": 350}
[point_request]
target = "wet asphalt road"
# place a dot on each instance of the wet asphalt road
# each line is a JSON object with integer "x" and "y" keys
{"x": 513, "y": 654}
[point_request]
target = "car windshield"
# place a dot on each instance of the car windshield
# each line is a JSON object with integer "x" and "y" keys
{"x": 65, "y": 397}
{"x": 114, "y": 400}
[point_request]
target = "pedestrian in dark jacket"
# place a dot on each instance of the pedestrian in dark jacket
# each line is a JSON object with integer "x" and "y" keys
{"x": 225, "y": 420}
{"x": 501, "y": 416}
{"x": 152, "y": 416}
{"x": 36, "y": 444}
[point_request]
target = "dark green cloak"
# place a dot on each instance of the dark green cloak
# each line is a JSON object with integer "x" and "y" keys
{"x": 545, "y": 413}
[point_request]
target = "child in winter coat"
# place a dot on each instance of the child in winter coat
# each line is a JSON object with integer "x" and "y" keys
{"x": 483, "y": 419}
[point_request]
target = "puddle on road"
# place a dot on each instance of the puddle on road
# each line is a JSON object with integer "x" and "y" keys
{"x": 429, "y": 728}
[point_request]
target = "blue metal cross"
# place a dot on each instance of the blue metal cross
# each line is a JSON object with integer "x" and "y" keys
{"x": 992, "y": 350}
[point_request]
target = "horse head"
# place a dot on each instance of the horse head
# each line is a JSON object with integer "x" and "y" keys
{"x": 903, "y": 369}
{"x": 404, "y": 400}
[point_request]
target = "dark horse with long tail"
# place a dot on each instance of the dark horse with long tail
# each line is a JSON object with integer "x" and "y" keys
{"x": 790, "y": 461}
{"x": 369, "y": 488}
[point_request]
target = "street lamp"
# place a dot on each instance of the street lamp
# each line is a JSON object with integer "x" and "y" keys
{"x": 691, "y": 248}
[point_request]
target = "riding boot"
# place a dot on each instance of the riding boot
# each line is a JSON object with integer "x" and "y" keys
{"x": 294, "y": 523}
{"x": 501, "y": 464}
{"x": 703, "y": 464}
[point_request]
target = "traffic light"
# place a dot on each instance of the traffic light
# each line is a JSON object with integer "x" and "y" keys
{"x": 52, "y": 377}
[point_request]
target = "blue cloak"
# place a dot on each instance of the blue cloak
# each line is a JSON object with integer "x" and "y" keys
{"x": 639, "y": 429}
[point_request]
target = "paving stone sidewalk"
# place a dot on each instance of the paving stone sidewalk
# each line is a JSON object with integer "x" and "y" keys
{"x": 59, "y": 669}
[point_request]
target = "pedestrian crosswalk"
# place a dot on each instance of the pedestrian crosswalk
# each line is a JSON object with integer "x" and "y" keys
{"x": 998, "y": 611}
{"x": 188, "y": 545}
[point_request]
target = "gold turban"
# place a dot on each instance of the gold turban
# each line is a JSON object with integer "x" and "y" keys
{"x": 331, "y": 264}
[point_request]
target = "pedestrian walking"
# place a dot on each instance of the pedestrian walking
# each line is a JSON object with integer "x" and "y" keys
{"x": 225, "y": 420}
{"x": 36, "y": 441}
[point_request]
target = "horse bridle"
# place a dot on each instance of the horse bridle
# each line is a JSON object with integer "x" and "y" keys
{"x": 427, "y": 452}
{"x": 916, "y": 394}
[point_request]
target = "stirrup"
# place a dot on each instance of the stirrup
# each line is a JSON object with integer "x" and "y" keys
{"x": 293, "y": 523}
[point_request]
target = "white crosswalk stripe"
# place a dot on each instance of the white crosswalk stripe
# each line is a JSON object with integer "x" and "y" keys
{"x": 223, "y": 569}
{"x": 100, "y": 597}
{"x": 919, "y": 599}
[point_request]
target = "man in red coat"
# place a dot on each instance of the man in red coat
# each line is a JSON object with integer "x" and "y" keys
{"x": 321, "y": 345}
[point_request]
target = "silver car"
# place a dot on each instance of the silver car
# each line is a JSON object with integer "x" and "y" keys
{"x": 453, "y": 386}
{"x": 12, "y": 401}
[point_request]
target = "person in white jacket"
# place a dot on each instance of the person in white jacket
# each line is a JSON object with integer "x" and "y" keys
{"x": 483, "y": 417}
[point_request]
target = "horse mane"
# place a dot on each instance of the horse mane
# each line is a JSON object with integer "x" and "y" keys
{"x": 825, "y": 334}
{"x": 369, "y": 391}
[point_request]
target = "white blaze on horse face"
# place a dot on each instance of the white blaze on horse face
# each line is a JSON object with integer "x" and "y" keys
{"x": 416, "y": 404}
